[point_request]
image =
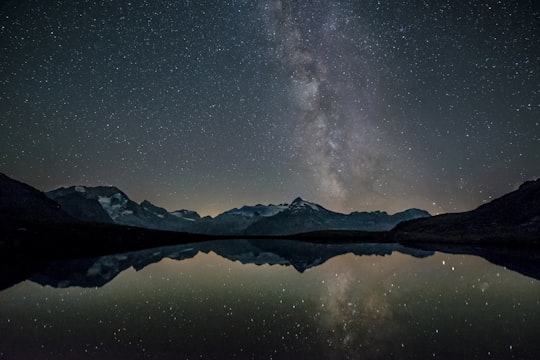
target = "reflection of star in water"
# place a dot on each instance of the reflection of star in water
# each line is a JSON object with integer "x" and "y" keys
{"x": 358, "y": 313}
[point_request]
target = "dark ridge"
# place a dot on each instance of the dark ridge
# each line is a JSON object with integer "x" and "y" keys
{"x": 514, "y": 217}
{"x": 20, "y": 202}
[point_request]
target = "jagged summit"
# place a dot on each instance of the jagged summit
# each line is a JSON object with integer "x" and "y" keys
{"x": 300, "y": 204}
{"x": 87, "y": 191}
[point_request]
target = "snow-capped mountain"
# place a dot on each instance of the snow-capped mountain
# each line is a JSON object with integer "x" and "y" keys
{"x": 105, "y": 204}
{"x": 77, "y": 200}
{"x": 109, "y": 204}
{"x": 299, "y": 205}
{"x": 303, "y": 216}
{"x": 235, "y": 221}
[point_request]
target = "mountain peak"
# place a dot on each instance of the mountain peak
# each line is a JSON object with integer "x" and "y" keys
{"x": 301, "y": 204}
{"x": 297, "y": 200}
{"x": 147, "y": 203}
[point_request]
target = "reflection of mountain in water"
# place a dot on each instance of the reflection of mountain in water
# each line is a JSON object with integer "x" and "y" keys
{"x": 524, "y": 260}
{"x": 302, "y": 256}
{"x": 95, "y": 272}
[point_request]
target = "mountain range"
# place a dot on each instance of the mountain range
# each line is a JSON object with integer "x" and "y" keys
{"x": 98, "y": 220}
{"x": 108, "y": 204}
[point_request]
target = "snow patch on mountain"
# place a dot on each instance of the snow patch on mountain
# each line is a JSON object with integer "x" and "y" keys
{"x": 257, "y": 210}
{"x": 188, "y": 215}
{"x": 152, "y": 209}
{"x": 181, "y": 217}
{"x": 114, "y": 205}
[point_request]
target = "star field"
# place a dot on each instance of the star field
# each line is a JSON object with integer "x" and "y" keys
{"x": 209, "y": 105}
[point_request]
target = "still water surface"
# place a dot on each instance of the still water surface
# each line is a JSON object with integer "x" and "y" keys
{"x": 396, "y": 306}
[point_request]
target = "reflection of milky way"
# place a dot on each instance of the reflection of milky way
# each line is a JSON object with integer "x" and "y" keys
{"x": 351, "y": 307}
{"x": 335, "y": 139}
{"x": 357, "y": 312}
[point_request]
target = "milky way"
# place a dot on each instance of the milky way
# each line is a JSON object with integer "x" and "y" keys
{"x": 332, "y": 89}
{"x": 357, "y": 105}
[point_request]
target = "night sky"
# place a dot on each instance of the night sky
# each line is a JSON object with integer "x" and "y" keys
{"x": 209, "y": 105}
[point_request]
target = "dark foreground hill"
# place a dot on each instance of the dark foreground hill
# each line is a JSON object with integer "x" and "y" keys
{"x": 514, "y": 217}
{"x": 21, "y": 203}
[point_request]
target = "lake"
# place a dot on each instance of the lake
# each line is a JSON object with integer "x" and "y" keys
{"x": 247, "y": 299}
